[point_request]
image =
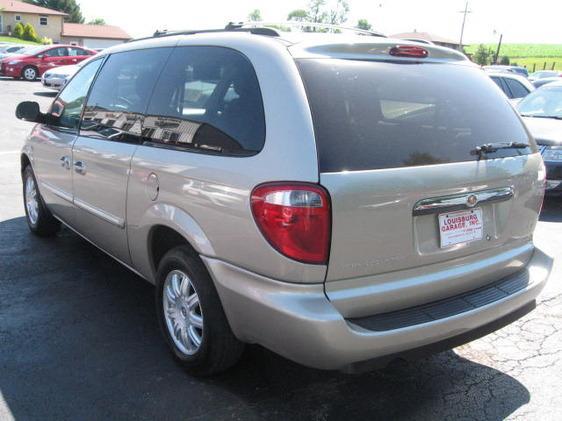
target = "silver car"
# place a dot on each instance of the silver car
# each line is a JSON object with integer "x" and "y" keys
{"x": 341, "y": 200}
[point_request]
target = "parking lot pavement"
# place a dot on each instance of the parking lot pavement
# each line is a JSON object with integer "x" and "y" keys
{"x": 79, "y": 340}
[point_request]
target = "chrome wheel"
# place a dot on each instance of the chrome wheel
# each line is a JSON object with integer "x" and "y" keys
{"x": 182, "y": 312}
{"x": 31, "y": 200}
{"x": 30, "y": 73}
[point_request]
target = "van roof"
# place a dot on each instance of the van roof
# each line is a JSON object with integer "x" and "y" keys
{"x": 304, "y": 44}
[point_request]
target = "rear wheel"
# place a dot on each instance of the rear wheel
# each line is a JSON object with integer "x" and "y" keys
{"x": 29, "y": 73}
{"x": 191, "y": 316}
{"x": 40, "y": 221}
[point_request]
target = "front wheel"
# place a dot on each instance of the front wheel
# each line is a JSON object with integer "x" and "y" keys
{"x": 29, "y": 73}
{"x": 40, "y": 221}
{"x": 191, "y": 316}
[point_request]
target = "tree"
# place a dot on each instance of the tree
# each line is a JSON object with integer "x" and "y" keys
{"x": 299, "y": 15}
{"x": 505, "y": 61}
{"x": 364, "y": 24}
{"x": 29, "y": 33}
{"x": 97, "y": 21}
{"x": 255, "y": 16}
{"x": 317, "y": 12}
{"x": 482, "y": 55}
{"x": 70, "y": 7}
{"x": 19, "y": 30}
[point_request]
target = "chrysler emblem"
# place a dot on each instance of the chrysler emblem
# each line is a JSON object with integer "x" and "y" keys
{"x": 471, "y": 201}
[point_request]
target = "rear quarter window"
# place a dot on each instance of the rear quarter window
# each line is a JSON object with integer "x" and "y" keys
{"x": 375, "y": 115}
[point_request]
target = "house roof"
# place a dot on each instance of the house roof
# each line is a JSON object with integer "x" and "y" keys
{"x": 78, "y": 30}
{"x": 21, "y": 7}
{"x": 426, "y": 36}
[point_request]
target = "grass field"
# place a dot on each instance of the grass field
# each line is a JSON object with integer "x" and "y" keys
{"x": 17, "y": 40}
{"x": 529, "y": 54}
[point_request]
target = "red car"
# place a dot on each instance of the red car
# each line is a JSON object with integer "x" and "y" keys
{"x": 35, "y": 61}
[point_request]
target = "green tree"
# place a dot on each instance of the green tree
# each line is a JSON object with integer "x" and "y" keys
{"x": 364, "y": 24}
{"x": 97, "y": 21}
{"x": 482, "y": 55}
{"x": 299, "y": 15}
{"x": 318, "y": 12}
{"x": 70, "y": 7}
{"x": 255, "y": 16}
{"x": 19, "y": 30}
{"x": 505, "y": 61}
{"x": 29, "y": 33}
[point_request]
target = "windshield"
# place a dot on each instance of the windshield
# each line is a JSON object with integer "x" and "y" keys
{"x": 374, "y": 115}
{"x": 545, "y": 102}
{"x": 31, "y": 50}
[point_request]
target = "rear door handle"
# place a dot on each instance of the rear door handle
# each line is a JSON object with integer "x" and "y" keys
{"x": 80, "y": 167}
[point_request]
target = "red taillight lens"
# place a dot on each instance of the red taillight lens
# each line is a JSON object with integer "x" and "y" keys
{"x": 295, "y": 219}
{"x": 408, "y": 51}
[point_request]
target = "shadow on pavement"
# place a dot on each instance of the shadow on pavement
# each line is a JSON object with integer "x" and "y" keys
{"x": 552, "y": 210}
{"x": 80, "y": 340}
{"x": 48, "y": 94}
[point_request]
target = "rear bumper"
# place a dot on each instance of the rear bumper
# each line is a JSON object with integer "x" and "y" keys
{"x": 300, "y": 323}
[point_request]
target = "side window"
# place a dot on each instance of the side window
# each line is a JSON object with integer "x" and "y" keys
{"x": 66, "y": 109}
{"x": 501, "y": 84}
{"x": 120, "y": 94}
{"x": 207, "y": 98}
{"x": 56, "y": 52}
{"x": 517, "y": 88}
{"x": 75, "y": 51}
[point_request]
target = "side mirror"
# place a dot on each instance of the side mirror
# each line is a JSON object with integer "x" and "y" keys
{"x": 29, "y": 111}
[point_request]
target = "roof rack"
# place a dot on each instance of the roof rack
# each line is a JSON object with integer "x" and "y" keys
{"x": 305, "y": 27}
{"x": 272, "y": 29}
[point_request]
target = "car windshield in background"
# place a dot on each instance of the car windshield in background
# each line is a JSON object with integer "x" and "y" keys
{"x": 31, "y": 50}
{"x": 543, "y": 103}
{"x": 374, "y": 115}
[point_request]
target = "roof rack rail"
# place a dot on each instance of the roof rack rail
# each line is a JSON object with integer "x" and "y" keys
{"x": 272, "y": 29}
{"x": 306, "y": 26}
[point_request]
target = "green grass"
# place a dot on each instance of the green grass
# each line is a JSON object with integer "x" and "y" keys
{"x": 528, "y": 54}
{"x": 17, "y": 40}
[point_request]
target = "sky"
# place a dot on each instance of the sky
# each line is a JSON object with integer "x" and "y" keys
{"x": 520, "y": 21}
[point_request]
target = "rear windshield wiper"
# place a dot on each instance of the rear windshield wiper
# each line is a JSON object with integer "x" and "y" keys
{"x": 494, "y": 147}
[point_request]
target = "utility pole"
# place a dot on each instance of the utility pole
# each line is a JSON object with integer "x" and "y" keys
{"x": 498, "y": 50}
{"x": 465, "y": 12}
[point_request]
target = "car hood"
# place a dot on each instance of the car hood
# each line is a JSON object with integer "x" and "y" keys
{"x": 64, "y": 70}
{"x": 547, "y": 131}
{"x": 12, "y": 56}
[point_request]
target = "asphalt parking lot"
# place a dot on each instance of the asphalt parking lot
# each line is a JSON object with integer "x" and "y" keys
{"x": 79, "y": 340}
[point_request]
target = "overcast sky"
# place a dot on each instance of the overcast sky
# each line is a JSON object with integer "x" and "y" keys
{"x": 523, "y": 21}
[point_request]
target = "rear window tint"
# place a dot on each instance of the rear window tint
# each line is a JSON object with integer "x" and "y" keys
{"x": 374, "y": 115}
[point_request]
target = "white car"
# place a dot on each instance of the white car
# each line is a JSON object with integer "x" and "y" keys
{"x": 513, "y": 85}
{"x": 57, "y": 77}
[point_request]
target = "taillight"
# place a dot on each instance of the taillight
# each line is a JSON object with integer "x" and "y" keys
{"x": 408, "y": 51}
{"x": 295, "y": 219}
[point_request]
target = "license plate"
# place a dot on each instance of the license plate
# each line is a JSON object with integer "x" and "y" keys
{"x": 460, "y": 227}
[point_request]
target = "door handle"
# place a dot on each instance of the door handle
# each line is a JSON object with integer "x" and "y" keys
{"x": 65, "y": 162}
{"x": 80, "y": 167}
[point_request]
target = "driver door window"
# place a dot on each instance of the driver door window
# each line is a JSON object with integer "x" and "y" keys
{"x": 67, "y": 108}
{"x": 120, "y": 95}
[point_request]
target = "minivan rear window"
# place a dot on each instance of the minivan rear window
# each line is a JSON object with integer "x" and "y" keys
{"x": 374, "y": 115}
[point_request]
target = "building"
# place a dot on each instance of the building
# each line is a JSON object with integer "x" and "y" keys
{"x": 93, "y": 36}
{"x": 50, "y": 24}
{"x": 426, "y": 36}
{"x": 47, "y": 23}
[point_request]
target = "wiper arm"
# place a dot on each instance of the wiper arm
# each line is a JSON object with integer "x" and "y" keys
{"x": 494, "y": 147}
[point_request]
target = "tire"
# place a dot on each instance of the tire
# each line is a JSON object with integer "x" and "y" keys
{"x": 29, "y": 73}
{"x": 218, "y": 349}
{"x": 40, "y": 220}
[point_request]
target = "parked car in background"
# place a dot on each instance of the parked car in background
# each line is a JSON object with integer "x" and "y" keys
{"x": 514, "y": 86}
{"x": 363, "y": 211}
{"x": 58, "y": 77}
{"x": 8, "y": 50}
{"x": 507, "y": 69}
{"x": 542, "y": 113}
{"x": 541, "y": 74}
{"x": 34, "y": 62}
{"x": 545, "y": 80}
